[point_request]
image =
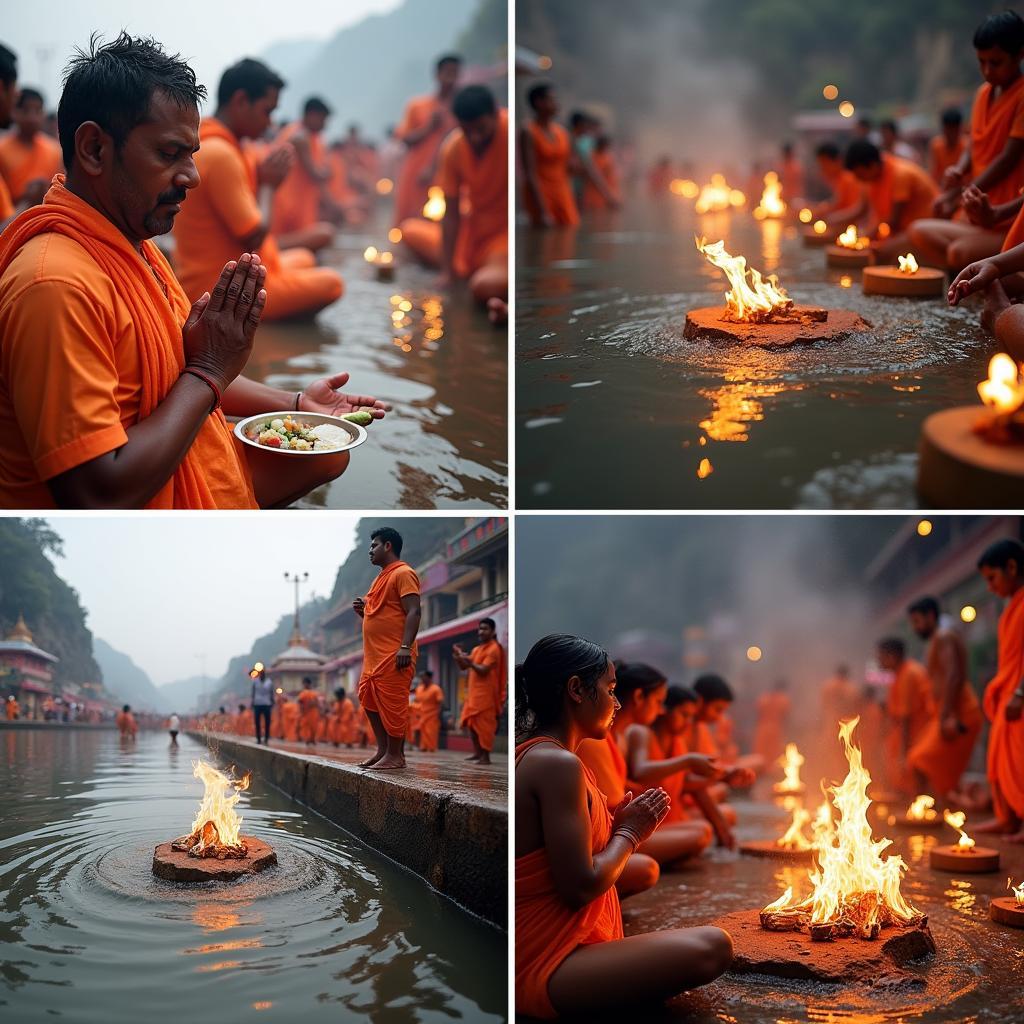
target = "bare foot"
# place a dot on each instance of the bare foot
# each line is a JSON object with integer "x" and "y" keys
{"x": 996, "y": 826}
{"x": 497, "y": 311}
{"x": 483, "y": 759}
{"x": 996, "y": 300}
{"x": 372, "y": 761}
{"x": 386, "y": 763}
{"x": 475, "y": 757}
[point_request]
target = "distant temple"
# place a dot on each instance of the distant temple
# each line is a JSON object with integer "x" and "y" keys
{"x": 26, "y": 671}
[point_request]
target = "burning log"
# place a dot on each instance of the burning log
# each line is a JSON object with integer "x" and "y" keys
{"x": 205, "y": 842}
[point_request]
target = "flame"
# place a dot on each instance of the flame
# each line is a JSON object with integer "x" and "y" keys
{"x": 793, "y": 838}
{"x": 756, "y": 300}
{"x": 385, "y": 186}
{"x": 1004, "y": 389}
{"x": 386, "y": 257}
{"x": 790, "y": 762}
{"x": 705, "y": 469}
{"x": 217, "y": 827}
{"x": 1017, "y": 890}
{"x": 956, "y": 820}
{"x": 908, "y": 265}
{"x": 684, "y": 187}
{"x": 922, "y": 809}
{"x": 717, "y": 196}
{"x": 434, "y": 207}
{"x": 854, "y": 889}
{"x": 849, "y": 239}
{"x": 771, "y": 204}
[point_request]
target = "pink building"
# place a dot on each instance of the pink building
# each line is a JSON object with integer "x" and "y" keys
{"x": 26, "y": 671}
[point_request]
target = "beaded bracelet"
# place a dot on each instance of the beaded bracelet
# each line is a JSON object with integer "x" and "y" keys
{"x": 208, "y": 381}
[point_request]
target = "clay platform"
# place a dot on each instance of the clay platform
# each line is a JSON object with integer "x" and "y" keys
{"x": 768, "y": 848}
{"x": 980, "y": 860}
{"x": 178, "y": 866}
{"x": 888, "y": 280}
{"x": 842, "y": 961}
{"x": 708, "y": 323}
{"x": 958, "y": 469}
{"x": 1004, "y": 910}
{"x": 848, "y": 259}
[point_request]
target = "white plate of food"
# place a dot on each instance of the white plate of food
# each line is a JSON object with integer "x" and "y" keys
{"x": 302, "y": 433}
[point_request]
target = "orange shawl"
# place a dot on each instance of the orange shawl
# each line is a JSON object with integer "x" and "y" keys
{"x": 1006, "y": 739}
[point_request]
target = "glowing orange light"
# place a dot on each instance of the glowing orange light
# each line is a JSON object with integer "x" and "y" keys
{"x": 385, "y": 186}
{"x": 847, "y": 109}
{"x": 830, "y": 92}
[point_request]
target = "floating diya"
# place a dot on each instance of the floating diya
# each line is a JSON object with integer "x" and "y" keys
{"x": 972, "y": 456}
{"x": 817, "y": 235}
{"x": 771, "y": 204}
{"x": 758, "y": 311}
{"x": 1009, "y": 909}
{"x": 850, "y": 250}
{"x": 790, "y": 762}
{"x": 382, "y": 262}
{"x": 793, "y": 844}
{"x": 907, "y": 279}
{"x": 920, "y": 814}
{"x": 214, "y": 849}
{"x": 966, "y": 856}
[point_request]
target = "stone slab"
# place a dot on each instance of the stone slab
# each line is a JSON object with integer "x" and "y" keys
{"x": 178, "y": 866}
{"x": 1004, "y": 910}
{"x": 709, "y": 323}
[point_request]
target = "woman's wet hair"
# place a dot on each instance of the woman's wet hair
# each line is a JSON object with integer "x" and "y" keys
{"x": 633, "y": 676}
{"x": 541, "y": 679}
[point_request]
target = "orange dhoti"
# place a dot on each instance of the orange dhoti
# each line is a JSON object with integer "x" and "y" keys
{"x": 551, "y": 152}
{"x": 993, "y": 123}
{"x": 430, "y": 698}
{"x": 943, "y": 761}
{"x": 1006, "y": 739}
{"x": 290, "y": 722}
{"x": 486, "y": 693}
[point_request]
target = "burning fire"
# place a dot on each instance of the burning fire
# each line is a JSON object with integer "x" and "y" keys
{"x": 754, "y": 301}
{"x": 956, "y": 819}
{"x": 434, "y": 207}
{"x": 718, "y": 196}
{"x": 793, "y": 838}
{"x": 849, "y": 239}
{"x": 922, "y": 809}
{"x": 1004, "y": 389}
{"x": 684, "y": 187}
{"x": 771, "y": 204}
{"x": 908, "y": 265}
{"x": 855, "y": 891}
{"x": 790, "y": 762}
{"x": 1017, "y": 890}
{"x": 216, "y": 831}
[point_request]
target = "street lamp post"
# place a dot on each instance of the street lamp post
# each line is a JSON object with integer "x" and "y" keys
{"x": 296, "y": 579}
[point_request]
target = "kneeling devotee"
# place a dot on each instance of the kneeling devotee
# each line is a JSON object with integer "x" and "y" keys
{"x": 113, "y": 390}
{"x": 571, "y": 956}
{"x": 473, "y": 171}
{"x": 391, "y": 619}
{"x": 488, "y": 684}
{"x": 227, "y": 211}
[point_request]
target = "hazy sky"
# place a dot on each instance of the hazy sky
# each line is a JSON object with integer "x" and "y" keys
{"x": 166, "y": 590}
{"x": 212, "y": 34}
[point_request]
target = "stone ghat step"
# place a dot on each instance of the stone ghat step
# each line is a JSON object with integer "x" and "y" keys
{"x": 452, "y": 834}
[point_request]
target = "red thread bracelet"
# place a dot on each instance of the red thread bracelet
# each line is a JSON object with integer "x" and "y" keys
{"x": 208, "y": 382}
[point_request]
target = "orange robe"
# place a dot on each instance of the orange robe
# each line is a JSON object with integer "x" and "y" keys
{"x": 126, "y": 724}
{"x": 224, "y": 209}
{"x": 547, "y": 930}
{"x": 725, "y": 737}
{"x": 993, "y": 124}
{"x": 901, "y": 181}
{"x": 941, "y": 157}
{"x": 846, "y": 190}
{"x": 309, "y": 715}
{"x": 910, "y": 700}
{"x": 245, "y": 724}
{"x": 277, "y": 719}
{"x": 414, "y": 717}
{"x": 430, "y": 698}
{"x": 592, "y": 199}
{"x": 6, "y": 203}
{"x": 342, "y": 723}
{"x": 486, "y": 693}
{"x": 411, "y": 195}
{"x": 21, "y": 163}
{"x": 290, "y": 722}
{"x": 608, "y": 765}
{"x": 297, "y": 198}
{"x": 770, "y": 731}
{"x": 702, "y": 741}
{"x": 674, "y": 746}
{"x": 1006, "y": 739}
{"x": 383, "y": 687}
{"x": 552, "y": 150}
{"x": 340, "y": 189}
{"x": 110, "y": 352}
{"x": 12, "y": 709}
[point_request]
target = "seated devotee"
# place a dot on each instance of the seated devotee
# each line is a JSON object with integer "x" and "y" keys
{"x": 848, "y": 202}
{"x": 425, "y": 124}
{"x": 604, "y": 162}
{"x": 942, "y": 752}
{"x": 910, "y": 709}
{"x": 91, "y": 314}
{"x": 892, "y": 142}
{"x": 571, "y": 848}
{"x": 791, "y": 174}
{"x": 546, "y": 151}
{"x": 993, "y": 160}
{"x": 770, "y": 732}
{"x": 668, "y": 741}
{"x": 473, "y": 173}
{"x": 347, "y": 206}
{"x": 224, "y": 214}
{"x": 1002, "y": 567}
{"x": 302, "y": 195}
{"x": 29, "y": 158}
{"x": 898, "y": 193}
{"x": 946, "y": 148}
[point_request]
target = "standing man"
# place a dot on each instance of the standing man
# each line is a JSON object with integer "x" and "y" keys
{"x": 126, "y": 723}
{"x": 391, "y": 619}
{"x": 12, "y": 708}
{"x": 431, "y": 699}
{"x": 174, "y": 727}
{"x": 910, "y": 708}
{"x": 309, "y": 714}
{"x": 488, "y": 684}
{"x": 262, "y": 700}
{"x": 29, "y": 158}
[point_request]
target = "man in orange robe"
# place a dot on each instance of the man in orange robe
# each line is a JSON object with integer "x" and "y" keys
{"x": 12, "y": 709}
{"x": 225, "y": 212}
{"x": 143, "y": 380}
{"x": 604, "y": 162}
{"x": 898, "y": 193}
{"x": 425, "y": 124}
{"x": 546, "y": 151}
{"x": 126, "y": 724}
{"x": 431, "y": 699}
{"x": 277, "y": 717}
{"x": 309, "y": 712}
{"x": 8, "y": 97}
{"x": 412, "y": 730}
{"x": 772, "y": 718}
{"x": 245, "y": 724}
{"x": 29, "y": 158}
{"x": 1002, "y": 566}
{"x": 299, "y": 200}
{"x": 473, "y": 174}
{"x": 944, "y": 749}
{"x": 391, "y": 619}
{"x": 488, "y": 684}
{"x": 946, "y": 148}
{"x": 910, "y": 708}
{"x": 848, "y": 203}
{"x": 290, "y": 712}
{"x": 343, "y": 720}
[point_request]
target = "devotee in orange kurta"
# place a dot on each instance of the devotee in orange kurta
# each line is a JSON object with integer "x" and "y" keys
{"x": 770, "y": 731}
{"x": 27, "y": 153}
{"x": 604, "y": 161}
{"x": 126, "y": 723}
{"x": 994, "y": 121}
{"x": 901, "y": 184}
{"x": 485, "y": 695}
{"x": 431, "y": 698}
{"x": 309, "y": 713}
{"x": 910, "y": 708}
{"x": 546, "y": 151}
{"x": 12, "y": 709}
{"x": 298, "y": 200}
{"x": 245, "y": 725}
{"x": 290, "y": 712}
{"x": 942, "y": 155}
{"x": 342, "y": 722}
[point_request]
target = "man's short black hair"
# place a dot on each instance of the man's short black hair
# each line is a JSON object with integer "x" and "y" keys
{"x": 388, "y": 535}
{"x": 676, "y": 695}
{"x": 1001, "y": 553}
{"x": 952, "y": 116}
{"x": 828, "y": 149}
{"x": 448, "y": 58}
{"x": 1004, "y": 30}
{"x": 926, "y": 605}
{"x": 253, "y": 77}
{"x": 892, "y": 645}
{"x": 127, "y": 707}
{"x": 537, "y": 92}
{"x": 427, "y": 673}
{"x": 26, "y": 94}
{"x": 315, "y": 105}
{"x": 472, "y": 102}
{"x": 306, "y": 681}
{"x": 488, "y": 622}
{"x": 578, "y": 118}
{"x": 712, "y": 687}
{"x": 862, "y": 153}
{"x": 113, "y": 84}
{"x": 890, "y": 124}
{"x": 8, "y": 66}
